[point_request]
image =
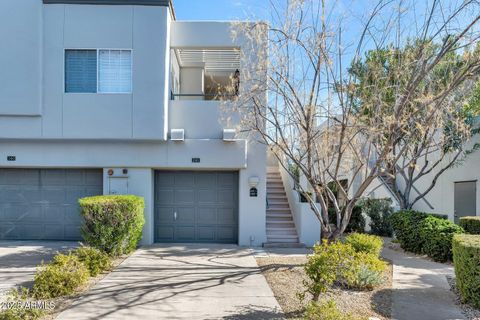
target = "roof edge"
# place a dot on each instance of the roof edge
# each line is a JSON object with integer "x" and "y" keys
{"x": 164, "y": 3}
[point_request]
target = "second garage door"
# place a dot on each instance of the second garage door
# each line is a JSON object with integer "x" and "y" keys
{"x": 196, "y": 206}
{"x": 43, "y": 203}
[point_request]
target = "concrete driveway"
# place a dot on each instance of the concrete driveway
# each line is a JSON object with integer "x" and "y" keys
{"x": 18, "y": 260}
{"x": 181, "y": 282}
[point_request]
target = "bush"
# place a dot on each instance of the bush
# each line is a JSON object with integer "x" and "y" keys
{"x": 364, "y": 272}
{"x": 325, "y": 264}
{"x": 437, "y": 234}
{"x": 18, "y": 312}
{"x": 470, "y": 224}
{"x": 379, "y": 211}
{"x": 466, "y": 258}
{"x": 356, "y": 223}
{"x": 365, "y": 243}
{"x": 60, "y": 277}
{"x": 429, "y": 234}
{"x": 95, "y": 260}
{"x": 338, "y": 262}
{"x": 326, "y": 310}
{"x": 113, "y": 223}
{"x": 406, "y": 225}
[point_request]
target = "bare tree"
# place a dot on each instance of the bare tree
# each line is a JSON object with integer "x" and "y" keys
{"x": 317, "y": 119}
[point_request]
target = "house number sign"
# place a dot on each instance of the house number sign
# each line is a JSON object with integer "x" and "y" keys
{"x": 253, "y": 192}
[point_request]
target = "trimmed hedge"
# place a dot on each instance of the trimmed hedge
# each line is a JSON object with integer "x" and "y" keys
{"x": 424, "y": 233}
{"x": 405, "y": 224}
{"x": 113, "y": 223}
{"x": 437, "y": 237}
{"x": 470, "y": 224}
{"x": 356, "y": 223}
{"x": 466, "y": 257}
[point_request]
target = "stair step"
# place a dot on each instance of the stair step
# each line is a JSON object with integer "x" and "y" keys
{"x": 283, "y": 245}
{"x": 282, "y": 236}
{"x": 281, "y": 233}
{"x": 280, "y": 224}
{"x": 279, "y": 220}
{"x": 285, "y": 212}
{"x": 276, "y": 192}
{"x": 277, "y": 196}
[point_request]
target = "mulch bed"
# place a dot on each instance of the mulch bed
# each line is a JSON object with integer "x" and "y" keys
{"x": 285, "y": 275}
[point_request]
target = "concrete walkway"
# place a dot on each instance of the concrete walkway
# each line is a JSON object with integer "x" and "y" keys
{"x": 420, "y": 289}
{"x": 19, "y": 259}
{"x": 181, "y": 282}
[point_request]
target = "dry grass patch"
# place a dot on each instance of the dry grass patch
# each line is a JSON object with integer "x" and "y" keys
{"x": 285, "y": 275}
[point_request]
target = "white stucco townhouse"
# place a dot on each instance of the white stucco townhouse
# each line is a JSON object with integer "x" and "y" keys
{"x": 117, "y": 97}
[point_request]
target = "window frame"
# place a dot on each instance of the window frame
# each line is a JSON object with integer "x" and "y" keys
{"x": 98, "y": 69}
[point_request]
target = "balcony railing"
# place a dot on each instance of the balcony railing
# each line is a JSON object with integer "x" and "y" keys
{"x": 204, "y": 96}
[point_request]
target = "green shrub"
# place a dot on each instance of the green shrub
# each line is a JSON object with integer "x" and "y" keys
{"x": 356, "y": 223}
{"x": 60, "y": 277}
{"x": 406, "y": 225}
{"x": 364, "y": 272}
{"x": 338, "y": 262}
{"x": 365, "y": 243}
{"x": 19, "y": 312}
{"x": 470, "y": 224}
{"x": 326, "y": 310}
{"x": 113, "y": 223}
{"x": 466, "y": 258}
{"x": 95, "y": 260}
{"x": 379, "y": 211}
{"x": 322, "y": 267}
{"x": 436, "y": 235}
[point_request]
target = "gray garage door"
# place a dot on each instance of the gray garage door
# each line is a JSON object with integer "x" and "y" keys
{"x": 42, "y": 203}
{"x": 193, "y": 206}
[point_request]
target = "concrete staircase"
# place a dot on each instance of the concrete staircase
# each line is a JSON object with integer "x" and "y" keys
{"x": 281, "y": 230}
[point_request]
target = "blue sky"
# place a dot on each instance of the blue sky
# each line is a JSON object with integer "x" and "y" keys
{"x": 220, "y": 9}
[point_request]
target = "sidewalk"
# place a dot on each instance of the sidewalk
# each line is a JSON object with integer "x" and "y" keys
{"x": 420, "y": 288}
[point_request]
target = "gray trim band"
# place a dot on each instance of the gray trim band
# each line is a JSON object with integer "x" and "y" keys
{"x": 164, "y": 3}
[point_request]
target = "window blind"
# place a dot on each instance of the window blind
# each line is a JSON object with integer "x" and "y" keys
{"x": 80, "y": 71}
{"x": 115, "y": 71}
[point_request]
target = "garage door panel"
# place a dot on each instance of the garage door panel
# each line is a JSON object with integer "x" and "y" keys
{"x": 205, "y": 180}
{"x": 226, "y": 216}
{"x": 54, "y": 213}
{"x": 185, "y": 233}
{"x": 19, "y": 177}
{"x": 164, "y": 197}
{"x": 53, "y": 195}
{"x": 227, "y": 179}
{"x": 53, "y": 177}
{"x": 207, "y": 215}
{"x": 184, "y": 196}
{"x": 207, "y": 196}
{"x": 185, "y": 215}
{"x": 43, "y": 203}
{"x": 226, "y": 197}
{"x": 203, "y": 200}
{"x": 164, "y": 233}
{"x": 227, "y": 234}
{"x": 206, "y": 233}
{"x": 93, "y": 179}
{"x": 184, "y": 179}
{"x": 164, "y": 214}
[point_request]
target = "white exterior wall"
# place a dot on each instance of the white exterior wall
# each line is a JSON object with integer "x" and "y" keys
{"x": 53, "y": 129}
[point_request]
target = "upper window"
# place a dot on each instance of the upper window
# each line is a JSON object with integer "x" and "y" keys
{"x": 103, "y": 71}
{"x": 80, "y": 70}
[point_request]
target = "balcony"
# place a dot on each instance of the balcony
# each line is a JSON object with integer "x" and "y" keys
{"x": 205, "y": 74}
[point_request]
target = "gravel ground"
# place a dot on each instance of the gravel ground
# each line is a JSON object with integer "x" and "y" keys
{"x": 285, "y": 276}
{"x": 470, "y": 312}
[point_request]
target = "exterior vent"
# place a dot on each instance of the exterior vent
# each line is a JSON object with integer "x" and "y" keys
{"x": 177, "y": 134}
{"x": 229, "y": 134}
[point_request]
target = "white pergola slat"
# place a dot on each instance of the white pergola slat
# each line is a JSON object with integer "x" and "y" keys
{"x": 214, "y": 59}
